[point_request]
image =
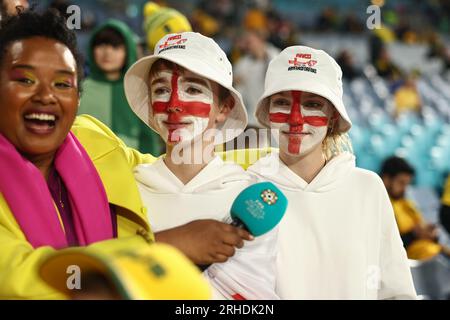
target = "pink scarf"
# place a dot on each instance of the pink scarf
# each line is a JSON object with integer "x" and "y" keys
{"x": 27, "y": 194}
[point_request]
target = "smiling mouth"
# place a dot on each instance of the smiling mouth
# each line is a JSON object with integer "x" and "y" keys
{"x": 176, "y": 125}
{"x": 40, "y": 123}
{"x": 296, "y": 133}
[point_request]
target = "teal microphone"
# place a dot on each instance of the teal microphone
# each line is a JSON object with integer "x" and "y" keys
{"x": 259, "y": 208}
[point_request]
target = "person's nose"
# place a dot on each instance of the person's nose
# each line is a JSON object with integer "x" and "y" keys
{"x": 295, "y": 116}
{"x": 45, "y": 95}
{"x": 173, "y": 108}
{"x": 174, "y": 105}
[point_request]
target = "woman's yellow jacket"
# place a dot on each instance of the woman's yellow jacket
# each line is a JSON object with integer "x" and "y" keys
{"x": 19, "y": 261}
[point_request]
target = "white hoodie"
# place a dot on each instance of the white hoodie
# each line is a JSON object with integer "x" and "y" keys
{"x": 209, "y": 195}
{"x": 338, "y": 238}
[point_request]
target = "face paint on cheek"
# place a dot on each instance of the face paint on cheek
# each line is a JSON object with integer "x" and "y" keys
{"x": 183, "y": 119}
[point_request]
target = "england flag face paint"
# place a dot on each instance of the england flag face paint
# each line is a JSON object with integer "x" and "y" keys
{"x": 301, "y": 119}
{"x": 181, "y": 105}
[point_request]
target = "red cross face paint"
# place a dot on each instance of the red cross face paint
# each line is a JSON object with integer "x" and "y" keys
{"x": 181, "y": 105}
{"x": 301, "y": 119}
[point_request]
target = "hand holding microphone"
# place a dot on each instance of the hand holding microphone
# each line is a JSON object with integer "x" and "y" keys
{"x": 257, "y": 209}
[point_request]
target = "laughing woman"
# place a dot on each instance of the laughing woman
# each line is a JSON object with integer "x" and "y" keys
{"x": 338, "y": 239}
{"x": 61, "y": 184}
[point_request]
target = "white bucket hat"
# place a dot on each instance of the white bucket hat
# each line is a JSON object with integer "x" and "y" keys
{"x": 304, "y": 69}
{"x": 198, "y": 54}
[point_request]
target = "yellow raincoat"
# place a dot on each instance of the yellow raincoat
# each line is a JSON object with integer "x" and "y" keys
{"x": 408, "y": 217}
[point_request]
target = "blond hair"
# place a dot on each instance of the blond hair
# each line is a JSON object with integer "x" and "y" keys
{"x": 336, "y": 143}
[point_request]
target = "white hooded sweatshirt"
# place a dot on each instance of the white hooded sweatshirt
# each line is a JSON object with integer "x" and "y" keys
{"x": 338, "y": 238}
{"x": 210, "y": 195}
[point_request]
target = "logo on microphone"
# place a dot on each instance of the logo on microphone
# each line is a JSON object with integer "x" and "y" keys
{"x": 255, "y": 208}
{"x": 269, "y": 197}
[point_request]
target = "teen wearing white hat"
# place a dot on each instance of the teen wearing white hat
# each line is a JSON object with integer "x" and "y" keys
{"x": 338, "y": 238}
{"x": 183, "y": 91}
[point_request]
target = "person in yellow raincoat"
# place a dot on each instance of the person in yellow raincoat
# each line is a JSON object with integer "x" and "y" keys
{"x": 444, "y": 212}
{"x": 419, "y": 237}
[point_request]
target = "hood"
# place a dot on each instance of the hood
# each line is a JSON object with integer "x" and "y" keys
{"x": 217, "y": 175}
{"x": 130, "y": 44}
{"x": 329, "y": 178}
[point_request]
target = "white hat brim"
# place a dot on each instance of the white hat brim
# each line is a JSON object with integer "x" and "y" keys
{"x": 136, "y": 91}
{"x": 262, "y": 108}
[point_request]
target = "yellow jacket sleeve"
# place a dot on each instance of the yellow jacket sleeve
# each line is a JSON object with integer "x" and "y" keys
{"x": 446, "y": 194}
{"x": 88, "y": 125}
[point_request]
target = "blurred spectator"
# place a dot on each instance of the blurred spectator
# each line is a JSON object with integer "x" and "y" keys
{"x": 437, "y": 49}
{"x": 419, "y": 237}
{"x": 377, "y": 40}
{"x": 159, "y": 21}
{"x": 255, "y": 19}
{"x": 224, "y": 12}
{"x": 11, "y": 7}
{"x": 352, "y": 24}
{"x": 61, "y": 6}
{"x": 445, "y": 207}
{"x": 112, "y": 51}
{"x": 250, "y": 70}
{"x": 282, "y": 32}
{"x": 407, "y": 97}
{"x": 405, "y": 33}
{"x": 327, "y": 20}
{"x": 205, "y": 23}
{"x": 349, "y": 70}
{"x": 385, "y": 67}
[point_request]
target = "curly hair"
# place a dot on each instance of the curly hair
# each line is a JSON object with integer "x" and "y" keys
{"x": 48, "y": 24}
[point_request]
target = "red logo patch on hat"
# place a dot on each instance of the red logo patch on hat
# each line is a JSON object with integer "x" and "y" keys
{"x": 302, "y": 62}
{"x": 173, "y": 42}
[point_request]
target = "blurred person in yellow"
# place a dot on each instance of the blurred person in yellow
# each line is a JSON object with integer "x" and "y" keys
{"x": 407, "y": 97}
{"x": 156, "y": 272}
{"x": 159, "y": 21}
{"x": 420, "y": 238}
{"x": 444, "y": 214}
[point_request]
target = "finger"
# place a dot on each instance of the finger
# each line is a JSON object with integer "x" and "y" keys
{"x": 226, "y": 250}
{"x": 232, "y": 239}
{"x": 244, "y": 234}
{"x": 220, "y": 258}
{"x": 240, "y": 244}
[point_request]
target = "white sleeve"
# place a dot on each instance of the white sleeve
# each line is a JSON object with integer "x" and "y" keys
{"x": 396, "y": 278}
{"x": 249, "y": 274}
